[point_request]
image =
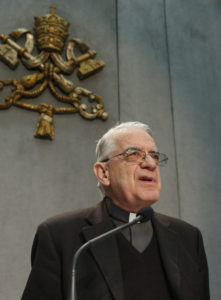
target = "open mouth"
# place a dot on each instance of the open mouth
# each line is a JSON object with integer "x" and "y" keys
{"x": 144, "y": 178}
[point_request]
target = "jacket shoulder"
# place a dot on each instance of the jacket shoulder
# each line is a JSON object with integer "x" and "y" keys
{"x": 69, "y": 217}
{"x": 67, "y": 223}
{"x": 176, "y": 224}
{"x": 188, "y": 236}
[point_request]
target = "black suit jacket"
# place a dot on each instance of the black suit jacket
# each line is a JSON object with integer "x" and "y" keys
{"x": 99, "y": 271}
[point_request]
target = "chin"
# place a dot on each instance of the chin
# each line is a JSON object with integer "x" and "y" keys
{"x": 150, "y": 199}
{"x": 148, "y": 202}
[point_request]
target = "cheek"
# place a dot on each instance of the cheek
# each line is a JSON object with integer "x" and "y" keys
{"x": 129, "y": 174}
{"x": 123, "y": 175}
{"x": 159, "y": 180}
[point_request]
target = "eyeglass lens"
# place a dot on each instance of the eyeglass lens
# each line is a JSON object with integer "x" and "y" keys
{"x": 139, "y": 155}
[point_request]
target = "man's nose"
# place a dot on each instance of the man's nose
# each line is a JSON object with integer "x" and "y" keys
{"x": 148, "y": 162}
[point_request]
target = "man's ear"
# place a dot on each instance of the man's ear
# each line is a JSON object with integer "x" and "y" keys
{"x": 102, "y": 173}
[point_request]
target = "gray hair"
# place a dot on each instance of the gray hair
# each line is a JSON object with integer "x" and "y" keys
{"x": 106, "y": 144}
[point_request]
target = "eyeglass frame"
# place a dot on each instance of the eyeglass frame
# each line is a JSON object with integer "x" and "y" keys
{"x": 164, "y": 160}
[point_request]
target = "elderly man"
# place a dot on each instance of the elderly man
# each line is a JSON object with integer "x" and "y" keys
{"x": 160, "y": 259}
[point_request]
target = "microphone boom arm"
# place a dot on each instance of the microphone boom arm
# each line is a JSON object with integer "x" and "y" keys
{"x": 95, "y": 241}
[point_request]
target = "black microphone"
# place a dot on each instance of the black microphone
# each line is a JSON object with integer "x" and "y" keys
{"x": 146, "y": 214}
{"x": 143, "y": 215}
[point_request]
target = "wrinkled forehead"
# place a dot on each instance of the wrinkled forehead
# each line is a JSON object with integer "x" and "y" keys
{"x": 133, "y": 137}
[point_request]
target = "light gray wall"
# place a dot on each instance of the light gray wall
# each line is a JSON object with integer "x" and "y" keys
{"x": 163, "y": 67}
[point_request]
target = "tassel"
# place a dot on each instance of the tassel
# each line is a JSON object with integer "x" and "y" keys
{"x": 45, "y": 127}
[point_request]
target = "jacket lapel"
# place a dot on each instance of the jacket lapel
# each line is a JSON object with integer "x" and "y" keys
{"x": 107, "y": 256}
{"x": 106, "y": 251}
{"x": 168, "y": 244}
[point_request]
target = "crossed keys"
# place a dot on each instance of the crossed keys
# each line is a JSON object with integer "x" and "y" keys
{"x": 50, "y": 67}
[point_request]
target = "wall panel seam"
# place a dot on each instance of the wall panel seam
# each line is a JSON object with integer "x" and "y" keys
{"x": 117, "y": 58}
{"x": 172, "y": 105}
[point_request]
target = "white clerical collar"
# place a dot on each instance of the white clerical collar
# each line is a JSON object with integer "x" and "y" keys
{"x": 132, "y": 216}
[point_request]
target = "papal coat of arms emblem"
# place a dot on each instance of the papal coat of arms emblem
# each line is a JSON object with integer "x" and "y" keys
{"x": 50, "y": 34}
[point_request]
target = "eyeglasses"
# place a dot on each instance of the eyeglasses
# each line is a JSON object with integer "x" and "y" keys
{"x": 138, "y": 156}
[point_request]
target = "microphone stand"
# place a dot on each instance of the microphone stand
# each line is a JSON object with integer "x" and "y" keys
{"x": 73, "y": 293}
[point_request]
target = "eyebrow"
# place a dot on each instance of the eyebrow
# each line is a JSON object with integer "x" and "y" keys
{"x": 133, "y": 148}
{"x": 138, "y": 148}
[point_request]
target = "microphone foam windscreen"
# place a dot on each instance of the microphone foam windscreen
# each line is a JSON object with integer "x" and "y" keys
{"x": 146, "y": 213}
